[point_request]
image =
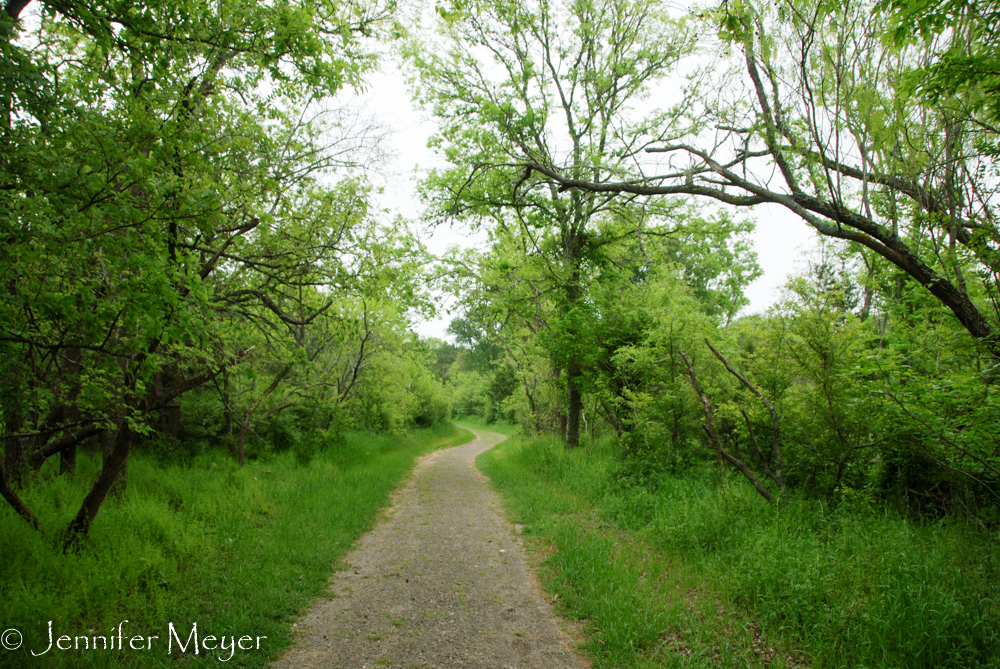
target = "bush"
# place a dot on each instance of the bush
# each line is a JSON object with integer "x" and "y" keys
{"x": 283, "y": 433}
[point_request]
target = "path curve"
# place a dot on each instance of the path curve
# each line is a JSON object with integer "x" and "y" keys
{"x": 441, "y": 582}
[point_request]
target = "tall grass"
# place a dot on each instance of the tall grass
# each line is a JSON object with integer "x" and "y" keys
{"x": 237, "y": 551}
{"x": 696, "y": 569}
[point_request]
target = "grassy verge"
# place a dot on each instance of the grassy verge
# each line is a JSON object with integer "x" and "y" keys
{"x": 696, "y": 571}
{"x": 237, "y": 552}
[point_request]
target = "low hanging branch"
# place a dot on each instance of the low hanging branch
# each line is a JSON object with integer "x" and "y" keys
{"x": 776, "y": 439}
{"x": 713, "y": 435}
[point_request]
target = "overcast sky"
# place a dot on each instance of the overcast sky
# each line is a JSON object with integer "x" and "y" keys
{"x": 781, "y": 240}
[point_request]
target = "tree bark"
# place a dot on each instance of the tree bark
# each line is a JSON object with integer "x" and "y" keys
{"x": 248, "y": 415}
{"x": 115, "y": 467}
{"x": 574, "y": 293}
{"x": 53, "y": 420}
{"x": 227, "y": 412}
{"x": 15, "y": 7}
{"x": 117, "y": 445}
{"x": 68, "y": 440}
{"x": 108, "y": 438}
{"x": 170, "y": 412}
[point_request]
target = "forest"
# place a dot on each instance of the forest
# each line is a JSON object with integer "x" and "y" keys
{"x": 200, "y": 291}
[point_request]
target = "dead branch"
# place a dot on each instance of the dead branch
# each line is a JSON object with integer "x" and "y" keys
{"x": 776, "y": 440}
{"x": 713, "y": 435}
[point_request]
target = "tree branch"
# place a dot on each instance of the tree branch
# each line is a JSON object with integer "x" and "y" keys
{"x": 716, "y": 441}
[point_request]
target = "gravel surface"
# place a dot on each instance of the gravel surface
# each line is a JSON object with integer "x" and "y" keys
{"x": 441, "y": 582}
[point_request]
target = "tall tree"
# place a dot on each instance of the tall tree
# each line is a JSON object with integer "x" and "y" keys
{"x": 826, "y": 125}
{"x": 156, "y": 172}
{"x": 552, "y": 83}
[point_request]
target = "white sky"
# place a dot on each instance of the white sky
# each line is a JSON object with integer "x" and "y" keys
{"x": 781, "y": 240}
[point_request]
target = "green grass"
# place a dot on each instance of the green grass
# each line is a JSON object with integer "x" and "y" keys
{"x": 478, "y": 423}
{"x": 698, "y": 571}
{"x": 238, "y": 551}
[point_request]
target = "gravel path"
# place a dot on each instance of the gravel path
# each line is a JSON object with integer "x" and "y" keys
{"x": 441, "y": 582}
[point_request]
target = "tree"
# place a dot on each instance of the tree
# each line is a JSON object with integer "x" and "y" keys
{"x": 966, "y": 46}
{"x": 550, "y": 82}
{"x": 826, "y": 126}
{"x": 156, "y": 172}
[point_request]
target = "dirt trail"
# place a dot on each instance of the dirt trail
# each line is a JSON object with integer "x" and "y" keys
{"x": 441, "y": 582}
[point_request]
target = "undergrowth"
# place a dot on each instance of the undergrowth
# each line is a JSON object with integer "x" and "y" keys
{"x": 239, "y": 552}
{"x": 697, "y": 570}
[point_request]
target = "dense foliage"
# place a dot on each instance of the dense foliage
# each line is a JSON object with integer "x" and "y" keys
{"x": 188, "y": 254}
{"x": 874, "y": 371}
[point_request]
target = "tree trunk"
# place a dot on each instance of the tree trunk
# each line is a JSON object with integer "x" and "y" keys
{"x": 866, "y": 303}
{"x": 113, "y": 478}
{"x": 248, "y": 416}
{"x": 776, "y": 476}
{"x": 170, "y": 421}
{"x": 108, "y": 440}
{"x": 71, "y": 414}
{"x": 92, "y": 444}
{"x": 13, "y": 456}
{"x": 112, "y": 473}
{"x": 170, "y": 413}
{"x": 574, "y": 398}
{"x": 227, "y": 412}
{"x": 85, "y": 433}
{"x": 241, "y": 439}
{"x": 16, "y": 502}
{"x": 35, "y": 455}
{"x": 574, "y": 405}
{"x": 535, "y": 418}
{"x": 67, "y": 461}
